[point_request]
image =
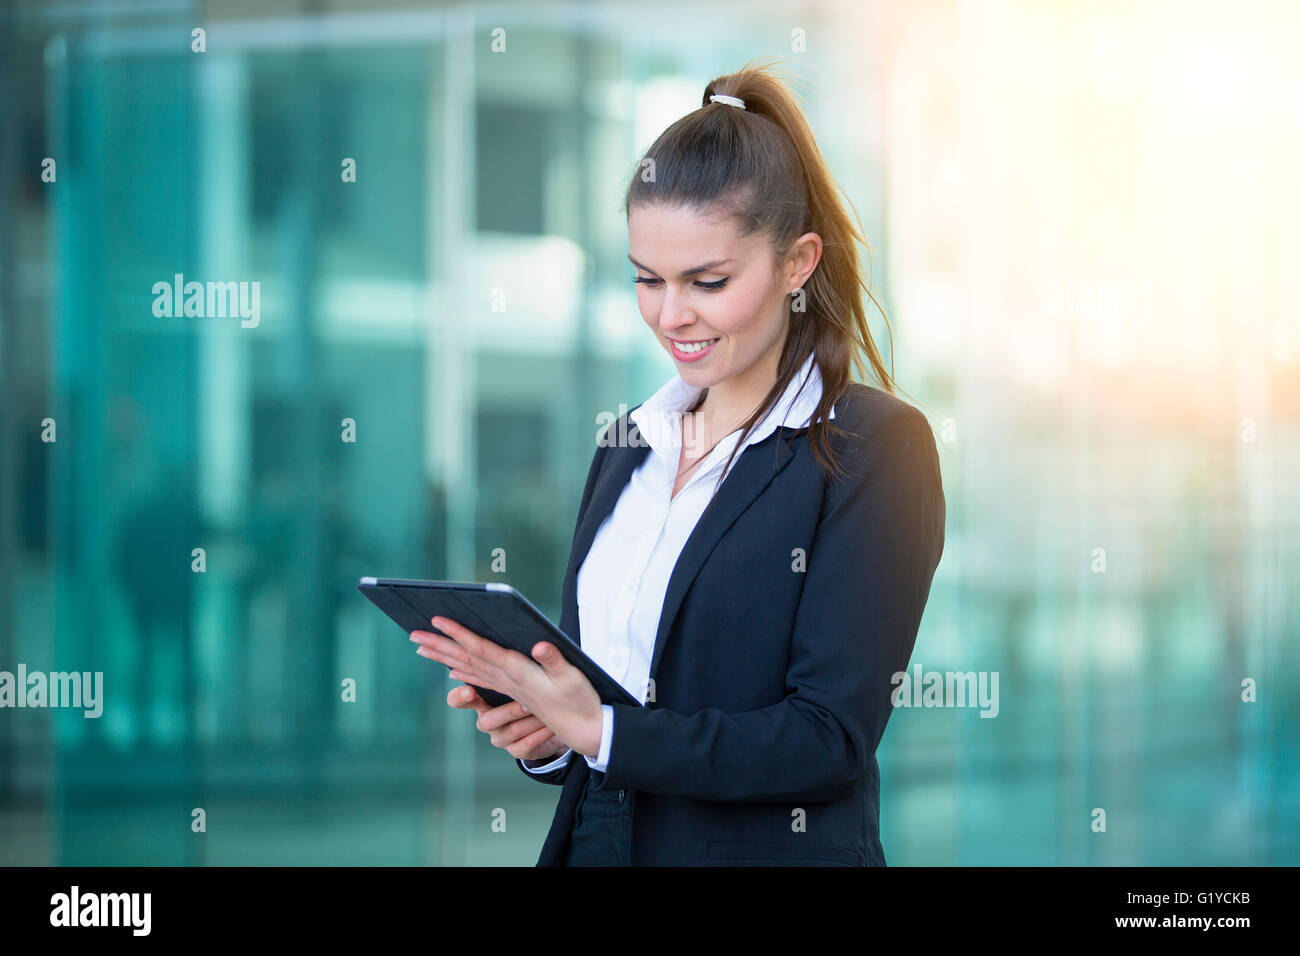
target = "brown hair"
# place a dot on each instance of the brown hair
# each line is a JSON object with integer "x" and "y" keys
{"x": 761, "y": 165}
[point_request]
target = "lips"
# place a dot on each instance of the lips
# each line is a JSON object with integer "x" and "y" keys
{"x": 692, "y": 354}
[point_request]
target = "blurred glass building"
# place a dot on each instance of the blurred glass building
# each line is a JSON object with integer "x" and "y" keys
{"x": 1081, "y": 224}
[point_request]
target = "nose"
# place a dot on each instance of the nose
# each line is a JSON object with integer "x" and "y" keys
{"x": 675, "y": 311}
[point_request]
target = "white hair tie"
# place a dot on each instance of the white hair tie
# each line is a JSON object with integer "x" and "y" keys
{"x": 729, "y": 100}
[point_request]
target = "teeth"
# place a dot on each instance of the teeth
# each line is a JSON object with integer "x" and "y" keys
{"x": 699, "y": 347}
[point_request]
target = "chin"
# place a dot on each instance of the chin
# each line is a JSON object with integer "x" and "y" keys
{"x": 699, "y": 377}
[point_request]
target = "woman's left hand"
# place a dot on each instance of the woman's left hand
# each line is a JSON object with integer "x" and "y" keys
{"x": 547, "y": 685}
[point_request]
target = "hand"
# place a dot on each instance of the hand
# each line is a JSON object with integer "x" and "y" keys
{"x": 546, "y": 685}
{"x": 510, "y": 727}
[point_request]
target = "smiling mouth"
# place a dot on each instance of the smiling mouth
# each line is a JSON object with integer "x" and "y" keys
{"x": 692, "y": 346}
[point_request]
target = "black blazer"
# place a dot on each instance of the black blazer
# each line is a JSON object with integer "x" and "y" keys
{"x": 771, "y": 683}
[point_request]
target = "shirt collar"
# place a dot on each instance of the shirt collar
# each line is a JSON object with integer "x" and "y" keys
{"x": 658, "y": 417}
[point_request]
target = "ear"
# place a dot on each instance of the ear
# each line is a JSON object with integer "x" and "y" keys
{"x": 805, "y": 253}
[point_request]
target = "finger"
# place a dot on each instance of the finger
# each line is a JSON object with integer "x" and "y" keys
{"x": 486, "y": 683}
{"x": 500, "y": 716}
{"x": 507, "y": 735}
{"x": 549, "y": 656}
{"x": 471, "y": 673}
{"x": 448, "y": 650}
{"x": 531, "y": 742}
{"x": 465, "y": 696}
{"x": 477, "y": 646}
{"x": 482, "y": 682}
{"x": 482, "y": 662}
{"x": 476, "y": 669}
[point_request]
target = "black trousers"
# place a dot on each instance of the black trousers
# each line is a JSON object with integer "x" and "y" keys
{"x": 601, "y": 834}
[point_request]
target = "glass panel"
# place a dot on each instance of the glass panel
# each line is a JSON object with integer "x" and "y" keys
{"x": 411, "y": 307}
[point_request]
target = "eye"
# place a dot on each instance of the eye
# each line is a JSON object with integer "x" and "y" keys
{"x": 706, "y": 286}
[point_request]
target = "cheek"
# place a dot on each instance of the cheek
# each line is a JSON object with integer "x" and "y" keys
{"x": 645, "y": 301}
{"x": 738, "y": 312}
{"x": 649, "y": 313}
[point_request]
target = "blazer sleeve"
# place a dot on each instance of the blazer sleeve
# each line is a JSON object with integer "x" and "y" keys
{"x": 878, "y": 542}
{"x": 558, "y": 775}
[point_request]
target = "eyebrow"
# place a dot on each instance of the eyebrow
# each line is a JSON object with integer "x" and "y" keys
{"x": 686, "y": 273}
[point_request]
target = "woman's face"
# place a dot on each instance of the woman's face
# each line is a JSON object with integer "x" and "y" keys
{"x": 698, "y": 281}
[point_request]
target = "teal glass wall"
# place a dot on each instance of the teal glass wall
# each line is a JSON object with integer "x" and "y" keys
{"x": 418, "y": 396}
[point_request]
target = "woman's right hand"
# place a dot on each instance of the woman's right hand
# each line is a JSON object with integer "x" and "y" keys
{"x": 520, "y": 734}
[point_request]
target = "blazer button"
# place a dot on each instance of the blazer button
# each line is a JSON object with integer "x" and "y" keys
{"x": 620, "y": 795}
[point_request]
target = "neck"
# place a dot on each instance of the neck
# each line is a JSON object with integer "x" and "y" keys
{"x": 732, "y": 401}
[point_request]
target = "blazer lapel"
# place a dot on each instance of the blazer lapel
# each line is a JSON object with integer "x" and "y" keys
{"x": 750, "y": 474}
{"x": 622, "y": 460}
{"x": 753, "y": 471}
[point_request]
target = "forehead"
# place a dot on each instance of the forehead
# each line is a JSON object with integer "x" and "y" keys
{"x": 675, "y": 234}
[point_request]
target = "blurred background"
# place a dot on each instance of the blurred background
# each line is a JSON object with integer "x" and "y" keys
{"x": 1082, "y": 219}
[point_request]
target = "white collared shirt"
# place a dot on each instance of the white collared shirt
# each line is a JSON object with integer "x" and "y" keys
{"x": 624, "y": 577}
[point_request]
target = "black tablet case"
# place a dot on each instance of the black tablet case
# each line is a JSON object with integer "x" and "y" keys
{"x": 504, "y": 617}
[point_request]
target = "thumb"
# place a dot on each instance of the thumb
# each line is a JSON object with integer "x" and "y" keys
{"x": 548, "y": 655}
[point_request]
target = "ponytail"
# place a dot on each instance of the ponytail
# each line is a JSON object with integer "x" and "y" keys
{"x": 761, "y": 165}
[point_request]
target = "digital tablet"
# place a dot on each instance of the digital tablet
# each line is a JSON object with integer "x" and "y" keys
{"x": 494, "y": 611}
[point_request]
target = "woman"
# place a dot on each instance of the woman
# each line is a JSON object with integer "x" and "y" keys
{"x": 760, "y": 619}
